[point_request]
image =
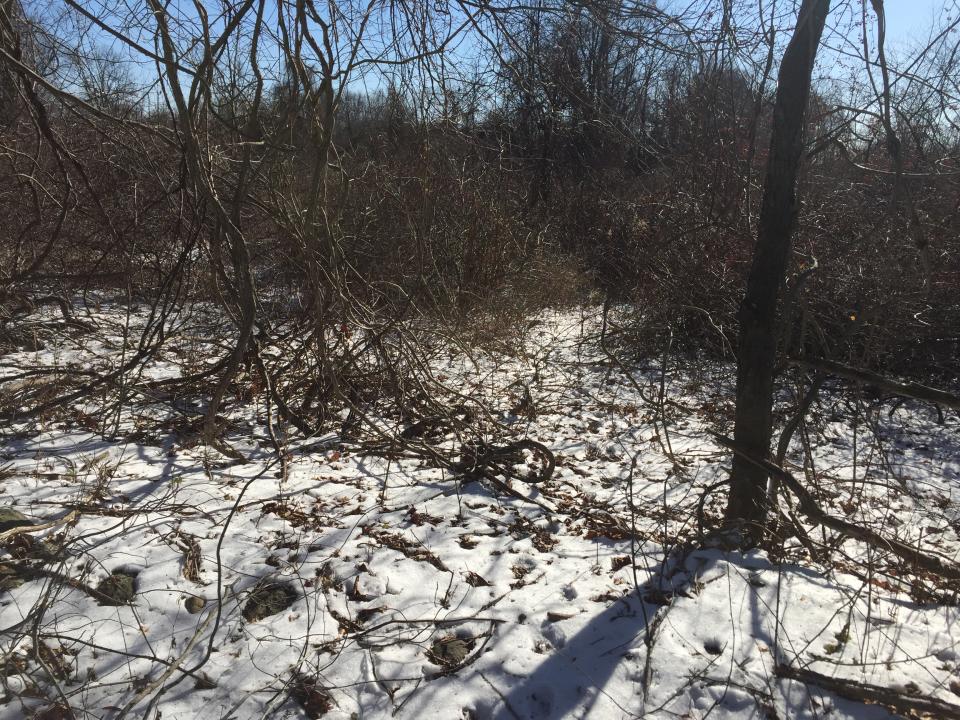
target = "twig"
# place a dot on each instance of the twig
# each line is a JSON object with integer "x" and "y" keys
{"x": 910, "y": 389}
{"x": 12, "y": 532}
{"x": 506, "y": 703}
{"x": 873, "y": 694}
{"x": 171, "y": 668}
{"x": 812, "y": 510}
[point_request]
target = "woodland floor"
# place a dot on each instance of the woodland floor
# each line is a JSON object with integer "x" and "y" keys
{"x": 362, "y": 582}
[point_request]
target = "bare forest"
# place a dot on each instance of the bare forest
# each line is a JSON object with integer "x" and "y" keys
{"x": 481, "y": 359}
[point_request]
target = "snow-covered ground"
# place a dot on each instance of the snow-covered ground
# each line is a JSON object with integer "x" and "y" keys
{"x": 403, "y": 589}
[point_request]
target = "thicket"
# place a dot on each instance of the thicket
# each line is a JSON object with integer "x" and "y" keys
{"x": 305, "y": 207}
{"x": 593, "y": 160}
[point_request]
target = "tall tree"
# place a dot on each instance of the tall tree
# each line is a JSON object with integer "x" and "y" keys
{"x": 9, "y": 43}
{"x": 756, "y": 360}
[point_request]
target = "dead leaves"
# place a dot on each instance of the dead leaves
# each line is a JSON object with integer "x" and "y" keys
{"x": 397, "y": 542}
{"x": 475, "y": 580}
{"x": 310, "y": 695}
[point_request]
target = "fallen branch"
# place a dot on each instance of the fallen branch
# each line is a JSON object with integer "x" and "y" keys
{"x": 475, "y": 458}
{"x": 20, "y": 529}
{"x": 910, "y": 390}
{"x": 907, "y": 705}
{"x": 172, "y": 667}
{"x": 810, "y": 508}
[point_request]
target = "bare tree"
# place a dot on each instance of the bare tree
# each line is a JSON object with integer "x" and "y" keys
{"x": 9, "y": 9}
{"x": 757, "y": 357}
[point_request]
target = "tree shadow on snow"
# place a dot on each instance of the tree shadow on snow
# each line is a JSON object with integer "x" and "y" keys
{"x": 599, "y": 670}
{"x": 578, "y": 669}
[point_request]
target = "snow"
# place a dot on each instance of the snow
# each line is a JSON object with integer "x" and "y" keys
{"x": 390, "y": 558}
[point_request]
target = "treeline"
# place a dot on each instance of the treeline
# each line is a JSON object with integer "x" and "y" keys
{"x": 585, "y": 151}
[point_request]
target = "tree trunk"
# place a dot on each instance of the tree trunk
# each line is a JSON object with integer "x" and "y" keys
{"x": 9, "y": 11}
{"x": 747, "y": 507}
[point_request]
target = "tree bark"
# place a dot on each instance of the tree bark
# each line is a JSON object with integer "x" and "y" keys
{"x": 747, "y": 507}
{"x": 9, "y": 12}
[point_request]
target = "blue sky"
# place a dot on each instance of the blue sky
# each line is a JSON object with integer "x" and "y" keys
{"x": 911, "y": 18}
